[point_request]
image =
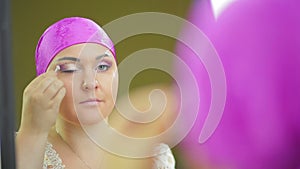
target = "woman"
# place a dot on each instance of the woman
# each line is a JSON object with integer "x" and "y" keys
{"x": 76, "y": 85}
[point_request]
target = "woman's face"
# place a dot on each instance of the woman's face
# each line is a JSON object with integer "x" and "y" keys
{"x": 90, "y": 76}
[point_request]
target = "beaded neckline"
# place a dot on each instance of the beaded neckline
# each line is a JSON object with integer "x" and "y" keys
{"x": 52, "y": 159}
{"x": 163, "y": 160}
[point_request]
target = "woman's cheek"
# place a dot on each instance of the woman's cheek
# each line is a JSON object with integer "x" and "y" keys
{"x": 109, "y": 82}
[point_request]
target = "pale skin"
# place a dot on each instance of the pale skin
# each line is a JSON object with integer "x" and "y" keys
{"x": 98, "y": 74}
{"x": 42, "y": 98}
{"x": 48, "y": 100}
{"x": 63, "y": 101}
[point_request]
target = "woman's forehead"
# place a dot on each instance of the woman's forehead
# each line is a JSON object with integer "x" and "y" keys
{"x": 82, "y": 53}
{"x": 83, "y": 50}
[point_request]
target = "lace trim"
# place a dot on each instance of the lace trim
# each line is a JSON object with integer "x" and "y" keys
{"x": 163, "y": 160}
{"x": 52, "y": 159}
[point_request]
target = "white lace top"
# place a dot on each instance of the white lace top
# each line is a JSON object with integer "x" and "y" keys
{"x": 165, "y": 159}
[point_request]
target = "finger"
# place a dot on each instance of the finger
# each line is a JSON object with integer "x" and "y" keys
{"x": 53, "y": 88}
{"x": 32, "y": 85}
{"x": 36, "y": 81}
{"x": 44, "y": 84}
{"x": 59, "y": 96}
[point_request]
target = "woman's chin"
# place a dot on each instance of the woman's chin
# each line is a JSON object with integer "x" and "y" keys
{"x": 90, "y": 118}
{"x": 85, "y": 116}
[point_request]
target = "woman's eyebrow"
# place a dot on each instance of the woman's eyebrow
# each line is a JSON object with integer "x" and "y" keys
{"x": 106, "y": 54}
{"x": 69, "y": 58}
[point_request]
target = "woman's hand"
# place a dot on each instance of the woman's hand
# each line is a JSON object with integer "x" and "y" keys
{"x": 41, "y": 102}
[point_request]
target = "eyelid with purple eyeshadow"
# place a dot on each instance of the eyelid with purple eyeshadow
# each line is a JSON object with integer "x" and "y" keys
{"x": 66, "y": 68}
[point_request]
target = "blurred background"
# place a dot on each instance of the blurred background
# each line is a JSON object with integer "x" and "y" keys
{"x": 258, "y": 42}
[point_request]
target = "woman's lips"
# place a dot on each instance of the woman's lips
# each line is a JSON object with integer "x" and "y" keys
{"x": 91, "y": 102}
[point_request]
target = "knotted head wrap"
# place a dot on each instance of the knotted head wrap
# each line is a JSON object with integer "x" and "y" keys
{"x": 65, "y": 33}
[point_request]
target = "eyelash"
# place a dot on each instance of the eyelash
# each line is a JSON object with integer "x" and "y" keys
{"x": 71, "y": 68}
{"x": 106, "y": 65}
{"x": 65, "y": 68}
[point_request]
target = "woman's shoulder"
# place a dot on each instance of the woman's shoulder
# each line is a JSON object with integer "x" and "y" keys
{"x": 164, "y": 158}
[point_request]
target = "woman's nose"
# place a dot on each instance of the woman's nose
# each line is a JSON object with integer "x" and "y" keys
{"x": 88, "y": 79}
{"x": 90, "y": 84}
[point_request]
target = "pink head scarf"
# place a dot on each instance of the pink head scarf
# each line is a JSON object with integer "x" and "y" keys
{"x": 65, "y": 33}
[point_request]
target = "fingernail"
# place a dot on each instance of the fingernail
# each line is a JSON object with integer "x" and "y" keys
{"x": 57, "y": 68}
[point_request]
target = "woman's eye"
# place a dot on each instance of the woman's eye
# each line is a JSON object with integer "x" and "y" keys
{"x": 68, "y": 71}
{"x": 103, "y": 67}
{"x": 68, "y": 68}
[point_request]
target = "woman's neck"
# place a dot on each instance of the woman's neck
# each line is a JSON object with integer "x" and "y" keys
{"x": 75, "y": 137}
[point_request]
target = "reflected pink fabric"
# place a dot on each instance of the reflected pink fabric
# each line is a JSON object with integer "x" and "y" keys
{"x": 258, "y": 42}
{"x": 65, "y": 33}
